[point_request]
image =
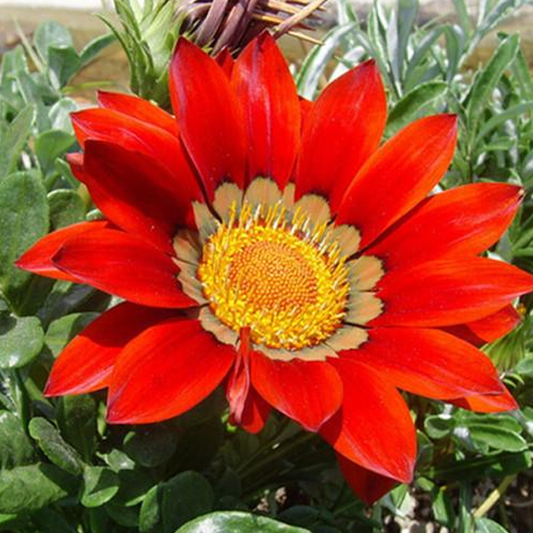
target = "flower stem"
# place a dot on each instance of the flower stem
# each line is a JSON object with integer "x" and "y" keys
{"x": 493, "y": 497}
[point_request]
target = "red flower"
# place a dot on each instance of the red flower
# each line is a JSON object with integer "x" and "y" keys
{"x": 303, "y": 265}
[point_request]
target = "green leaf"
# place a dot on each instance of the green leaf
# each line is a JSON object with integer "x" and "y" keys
{"x": 498, "y": 465}
{"x": 496, "y": 437}
{"x": 66, "y": 208}
{"x": 21, "y": 340}
{"x": 463, "y": 15}
{"x": 237, "y": 522}
{"x": 14, "y": 139}
{"x": 29, "y": 488}
{"x": 407, "y": 13}
{"x": 49, "y": 145}
{"x": 150, "y": 513}
{"x": 174, "y": 502}
{"x": 63, "y": 63}
{"x": 49, "y": 520}
{"x": 315, "y": 62}
{"x": 77, "y": 421}
{"x": 486, "y": 525}
{"x": 54, "y": 447}
{"x": 99, "y": 486}
{"x": 509, "y": 114}
{"x": 184, "y": 497}
{"x": 51, "y": 34}
{"x": 487, "y": 80}
{"x": 63, "y": 330}
{"x": 94, "y": 47}
{"x": 15, "y": 446}
{"x": 523, "y": 74}
{"x": 59, "y": 114}
{"x": 151, "y": 446}
{"x": 439, "y": 426}
{"x": 24, "y": 218}
{"x": 414, "y": 103}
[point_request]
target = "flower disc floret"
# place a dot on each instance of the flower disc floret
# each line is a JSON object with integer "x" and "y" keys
{"x": 268, "y": 271}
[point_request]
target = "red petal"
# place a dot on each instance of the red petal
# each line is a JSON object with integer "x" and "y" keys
{"x": 123, "y": 265}
{"x": 208, "y": 116}
{"x": 238, "y": 386}
{"x": 136, "y": 193}
{"x": 466, "y": 220}
{"x": 309, "y": 392}
{"x": 87, "y": 361}
{"x": 165, "y": 371}
{"x": 138, "y": 108}
{"x": 137, "y": 136}
{"x": 448, "y": 292}
{"x": 255, "y": 413}
{"x": 341, "y": 132}
{"x": 399, "y": 175}
{"x": 305, "y": 110}
{"x": 374, "y": 428}
{"x": 38, "y": 259}
{"x": 494, "y": 403}
{"x": 428, "y": 362}
{"x": 488, "y": 329}
{"x": 368, "y": 485}
{"x": 226, "y": 61}
{"x": 263, "y": 83}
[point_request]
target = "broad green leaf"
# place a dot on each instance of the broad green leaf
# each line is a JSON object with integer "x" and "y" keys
{"x": 486, "y": 525}
{"x": 62, "y": 331}
{"x": 51, "y": 34}
{"x": 237, "y": 522}
{"x": 59, "y": 114}
{"x": 63, "y": 63}
{"x": 525, "y": 367}
{"x": 54, "y": 447}
{"x": 15, "y": 446}
{"x": 24, "y": 218}
{"x": 174, "y": 502}
{"x": 14, "y": 139}
{"x": 49, "y": 520}
{"x": 21, "y": 340}
{"x": 99, "y": 486}
{"x": 150, "y": 513}
{"x": 151, "y": 446}
{"x": 77, "y": 421}
{"x": 443, "y": 508}
{"x": 49, "y": 145}
{"x": 487, "y": 80}
{"x": 496, "y": 437}
{"x": 439, "y": 426}
{"x": 185, "y": 497}
{"x": 66, "y": 208}
{"x": 29, "y": 488}
{"x": 414, "y": 103}
{"x": 94, "y": 47}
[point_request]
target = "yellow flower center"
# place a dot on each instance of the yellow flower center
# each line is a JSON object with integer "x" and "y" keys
{"x": 267, "y": 270}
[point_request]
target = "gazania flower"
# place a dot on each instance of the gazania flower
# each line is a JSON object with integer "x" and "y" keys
{"x": 274, "y": 246}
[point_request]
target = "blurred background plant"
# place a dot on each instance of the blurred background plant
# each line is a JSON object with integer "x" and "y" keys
{"x": 62, "y": 470}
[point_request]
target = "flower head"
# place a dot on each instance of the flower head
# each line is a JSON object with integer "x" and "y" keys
{"x": 273, "y": 245}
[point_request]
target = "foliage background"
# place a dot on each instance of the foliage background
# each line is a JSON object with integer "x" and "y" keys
{"x": 64, "y": 471}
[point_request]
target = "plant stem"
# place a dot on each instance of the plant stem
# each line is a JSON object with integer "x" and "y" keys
{"x": 493, "y": 497}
